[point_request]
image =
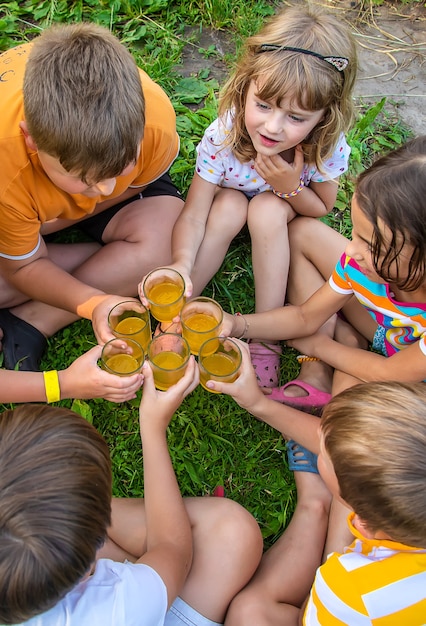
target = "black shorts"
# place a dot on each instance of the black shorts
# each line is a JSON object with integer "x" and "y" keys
{"x": 94, "y": 226}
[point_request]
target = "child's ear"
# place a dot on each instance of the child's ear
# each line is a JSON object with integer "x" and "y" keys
{"x": 31, "y": 144}
{"x": 362, "y": 527}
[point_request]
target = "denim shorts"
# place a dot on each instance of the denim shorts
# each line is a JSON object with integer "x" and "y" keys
{"x": 180, "y": 613}
{"x": 378, "y": 344}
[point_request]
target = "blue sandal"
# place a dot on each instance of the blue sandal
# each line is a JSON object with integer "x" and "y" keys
{"x": 300, "y": 459}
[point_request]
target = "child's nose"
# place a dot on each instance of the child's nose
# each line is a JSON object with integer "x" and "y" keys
{"x": 274, "y": 124}
{"x": 106, "y": 187}
{"x": 352, "y": 250}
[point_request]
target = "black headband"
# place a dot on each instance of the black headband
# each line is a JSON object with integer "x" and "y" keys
{"x": 339, "y": 63}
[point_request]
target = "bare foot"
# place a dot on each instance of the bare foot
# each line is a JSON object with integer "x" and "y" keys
{"x": 315, "y": 373}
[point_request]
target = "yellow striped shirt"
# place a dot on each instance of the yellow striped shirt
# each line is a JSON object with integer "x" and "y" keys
{"x": 374, "y": 583}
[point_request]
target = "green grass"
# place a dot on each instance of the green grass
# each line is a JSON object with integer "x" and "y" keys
{"x": 212, "y": 441}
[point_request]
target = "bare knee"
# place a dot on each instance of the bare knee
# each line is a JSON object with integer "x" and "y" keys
{"x": 228, "y": 213}
{"x": 302, "y": 231}
{"x": 248, "y": 607}
{"x": 267, "y": 213}
{"x": 237, "y": 533}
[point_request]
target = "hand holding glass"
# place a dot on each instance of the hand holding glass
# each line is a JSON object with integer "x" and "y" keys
{"x": 219, "y": 359}
{"x": 122, "y": 357}
{"x": 130, "y": 319}
{"x": 164, "y": 289}
{"x": 201, "y": 319}
{"x": 169, "y": 355}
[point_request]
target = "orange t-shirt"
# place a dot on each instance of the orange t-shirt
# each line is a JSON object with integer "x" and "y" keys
{"x": 28, "y": 198}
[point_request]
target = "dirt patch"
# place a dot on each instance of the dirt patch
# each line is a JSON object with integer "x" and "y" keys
{"x": 392, "y": 54}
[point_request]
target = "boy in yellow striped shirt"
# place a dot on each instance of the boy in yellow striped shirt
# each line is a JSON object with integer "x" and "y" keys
{"x": 371, "y": 446}
{"x": 373, "y": 457}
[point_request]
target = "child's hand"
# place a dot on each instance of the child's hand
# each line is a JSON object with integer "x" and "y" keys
{"x": 84, "y": 379}
{"x": 182, "y": 272}
{"x": 282, "y": 176}
{"x": 100, "y": 317}
{"x": 229, "y": 325}
{"x": 245, "y": 390}
{"x": 157, "y": 407}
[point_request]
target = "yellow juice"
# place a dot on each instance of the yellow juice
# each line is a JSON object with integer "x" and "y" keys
{"x": 201, "y": 322}
{"x": 218, "y": 366}
{"x": 171, "y": 369}
{"x": 137, "y": 328}
{"x": 196, "y": 327}
{"x": 122, "y": 364}
{"x": 168, "y": 360}
{"x": 166, "y": 300}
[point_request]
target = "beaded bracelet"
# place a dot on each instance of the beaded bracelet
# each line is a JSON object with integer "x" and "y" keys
{"x": 302, "y": 358}
{"x": 246, "y": 325}
{"x": 293, "y": 193}
{"x": 51, "y": 385}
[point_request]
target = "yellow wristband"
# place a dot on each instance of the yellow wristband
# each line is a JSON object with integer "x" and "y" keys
{"x": 51, "y": 384}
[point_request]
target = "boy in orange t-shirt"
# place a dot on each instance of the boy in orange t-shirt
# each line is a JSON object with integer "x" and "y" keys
{"x": 85, "y": 138}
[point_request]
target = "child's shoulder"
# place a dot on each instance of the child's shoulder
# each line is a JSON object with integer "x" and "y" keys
{"x": 364, "y": 570}
{"x": 126, "y": 589}
{"x": 219, "y": 128}
{"x": 333, "y": 165}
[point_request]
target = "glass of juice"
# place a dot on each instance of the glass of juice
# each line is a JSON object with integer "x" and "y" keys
{"x": 201, "y": 319}
{"x": 122, "y": 357}
{"x": 219, "y": 359}
{"x": 130, "y": 319}
{"x": 169, "y": 355}
{"x": 164, "y": 288}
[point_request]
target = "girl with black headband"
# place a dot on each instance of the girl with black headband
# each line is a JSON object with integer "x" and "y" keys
{"x": 275, "y": 152}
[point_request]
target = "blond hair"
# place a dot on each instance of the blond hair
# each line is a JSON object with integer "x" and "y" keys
{"x": 83, "y": 100}
{"x": 311, "y": 83}
{"x": 375, "y": 436}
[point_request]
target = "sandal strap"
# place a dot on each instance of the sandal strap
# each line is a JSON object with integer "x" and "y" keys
{"x": 263, "y": 348}
{"x": 300, "y": 459}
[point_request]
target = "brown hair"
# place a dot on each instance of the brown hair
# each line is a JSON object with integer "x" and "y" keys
{"x": 310, "y": 82}
{"x": 55, "y": 494}
{"x": 393, "y": 191}
{"x": 83, "y": 100}
{"x": 375, "y": 436}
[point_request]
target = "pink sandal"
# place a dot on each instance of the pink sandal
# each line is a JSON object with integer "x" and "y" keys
{"x": 315, "y": 399}
{"x": 265, "y": 358}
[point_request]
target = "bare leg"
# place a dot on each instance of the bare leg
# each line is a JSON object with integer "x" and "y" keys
{"x": 227, "y": 216}
{"x": 315, "y": 249}
{"x": 45, "y": 318}
{"x": 287, "y": 570}
{"x": 268, "y": 217}
{"x": 138, "y": 239}
{"x": 338, "y": 535}
{"x": 227, "y": 549}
